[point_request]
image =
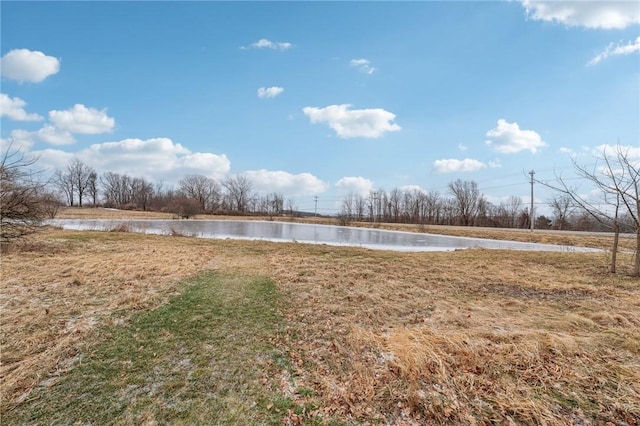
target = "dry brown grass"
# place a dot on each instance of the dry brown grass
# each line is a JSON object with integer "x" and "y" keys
{"x": 58, "y": 287}
{"x": 103, "y": 213}
{"x": 466, "y": 337}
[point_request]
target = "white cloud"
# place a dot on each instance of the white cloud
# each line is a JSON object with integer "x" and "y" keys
{"x": 47, "y": 133}
{"x": 279, "y": 181}
{"x": 62, "y": 126}
{"x": 615, "y": 50}
{"x": 26, "y": 65}
{"x": 507, "y": 138}
{"x": 14, "y": 109}
{"x": 264, "y": 43}
{"x": 80, "y": 119}
{"x": 53, "y": 159}
{"x": 453, "y": 165}
{"x": 158, "y": 159}
{"x": 269, "y": 92}
{"x": 363, "y": 65}
{"x": 54, "y": 136}
{"x": 462, "y": 148}
{"x": 354, "y": 185}
{"x": 20, "y": 140}
{"x": 365, "y": 123}
{"x": 589, "y": 14}
{"x": 495, "y": 164}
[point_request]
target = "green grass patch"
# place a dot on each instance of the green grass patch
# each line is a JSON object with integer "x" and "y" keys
{"x": 200, "y": 359}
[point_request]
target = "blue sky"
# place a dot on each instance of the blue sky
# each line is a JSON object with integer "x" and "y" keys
{"x": 323, "y": 98}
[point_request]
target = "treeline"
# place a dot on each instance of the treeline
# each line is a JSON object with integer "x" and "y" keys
{"x": 465, "y": 205}
{"x": 79, "y": 185}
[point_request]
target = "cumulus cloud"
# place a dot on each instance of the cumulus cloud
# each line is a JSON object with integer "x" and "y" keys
{"x": 52, "y": 159}
{"x": 365, "y": 123}
{"x": 354, "y": 185}
{"x": 14, "y": 109}
{"x": 589, "y": 14}
{"x": 80, "y": 119}
{"x": 269, "y": 92}
{"x": 20, "y": 140}
{"x": 453, "y": 165}
{"x": 264, "y": 43}
{"x": 26, "y": 65}
{"x": 62, "y": 125}
{"x": 48, "y": 134}
{"x": 363, "y": 65}
{"x": 616, "y": 50}
{"x": 158, "y": 159}
{"x": 54, "y": 136}
{"x": 284, "y": 182}
{"x": 508, "y": 138}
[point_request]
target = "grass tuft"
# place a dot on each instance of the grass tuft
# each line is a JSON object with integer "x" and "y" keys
{"x": 121, "y": 227}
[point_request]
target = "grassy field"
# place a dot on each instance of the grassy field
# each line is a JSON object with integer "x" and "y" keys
{"x": 122, "y": 328}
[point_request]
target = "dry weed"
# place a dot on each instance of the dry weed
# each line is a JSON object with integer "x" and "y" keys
{"x": 467, "y": 337}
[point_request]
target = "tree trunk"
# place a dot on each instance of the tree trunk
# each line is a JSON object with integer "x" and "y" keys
{"x": 636, "y": 269}
{"x": 614, "y": 250}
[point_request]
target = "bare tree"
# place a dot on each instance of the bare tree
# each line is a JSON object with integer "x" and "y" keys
{"x": 204, "y": 190}
{"x": 411, "y": 206}
{"x": 468, "y": 200}
{"x": 141, "y": 192}
{"x": 347, "y": 209}
{"x": 395, "y": 200}
{"x": 510, "y": 209}
{"x": 80, "y": 174}
{"x": 22, "y": 196}
{"x": 617, "y": 176}
{"x": 562, "y": 206}
{"x": 92, "y": 188}
{"x": 291, "y": 206}
{"x": 116, "y": 189}
{"x": 373, "y": 204}
{"x": 66, "y": 185}
{"x": 271, "y": 204}
{"x": 433, "y": 207}
{"x": 239, "y": 190}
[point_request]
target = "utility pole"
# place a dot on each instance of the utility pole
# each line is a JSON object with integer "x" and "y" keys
{"x": 315, "y": 213}
{"x": 531, "y": 215}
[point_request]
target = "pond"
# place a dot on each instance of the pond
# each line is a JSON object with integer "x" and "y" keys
{"x": 307, "y": 233}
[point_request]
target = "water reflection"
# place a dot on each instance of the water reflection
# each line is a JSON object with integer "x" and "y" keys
{"x": 306, "y": 233}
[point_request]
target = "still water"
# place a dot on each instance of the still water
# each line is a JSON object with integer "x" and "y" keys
{"x": 306, "y": 233}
